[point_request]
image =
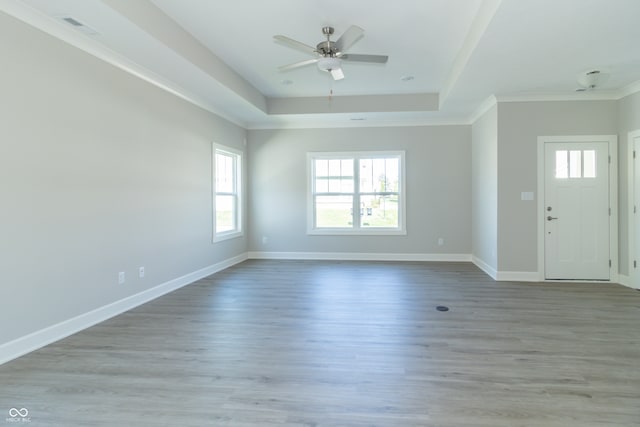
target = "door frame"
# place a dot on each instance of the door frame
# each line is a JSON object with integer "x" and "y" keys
{"x": 634, "y": 252}
{"x": 612, "y": 140}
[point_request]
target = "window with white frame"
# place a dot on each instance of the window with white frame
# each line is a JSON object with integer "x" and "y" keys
{"x": 356, "y": 193}
{"x": 227, "y": 193}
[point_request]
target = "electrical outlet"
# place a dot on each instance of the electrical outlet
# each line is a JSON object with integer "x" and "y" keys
{"x": 265, "y": 240}
{"x": 121, "y": 278}
{"x": 141, "y": 272}
{"x": 440, "y": 241}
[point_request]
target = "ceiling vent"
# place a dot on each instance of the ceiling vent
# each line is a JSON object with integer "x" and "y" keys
{"x": 77, "y": 25}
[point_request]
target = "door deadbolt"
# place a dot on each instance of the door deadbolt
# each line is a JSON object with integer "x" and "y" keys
{"x": 549, "y": 208}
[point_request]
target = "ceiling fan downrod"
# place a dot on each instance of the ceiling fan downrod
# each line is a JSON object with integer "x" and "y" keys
{"x": 327, "y": 48}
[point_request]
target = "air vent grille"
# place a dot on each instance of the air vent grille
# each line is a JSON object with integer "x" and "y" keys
{"x": 78, "y": 25}
{"x": 73, "y": 22}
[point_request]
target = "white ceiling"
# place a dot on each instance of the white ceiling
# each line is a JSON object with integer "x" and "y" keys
{"x": 420, "y": 37}
{"x": 222, "y": 56}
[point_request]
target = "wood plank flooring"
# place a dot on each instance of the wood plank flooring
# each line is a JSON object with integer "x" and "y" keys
{"x": 306, "y": 343}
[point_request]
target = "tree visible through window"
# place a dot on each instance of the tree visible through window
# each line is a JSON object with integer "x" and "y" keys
{"x": 356, "y": 193}
{"x": 227, "y": 165}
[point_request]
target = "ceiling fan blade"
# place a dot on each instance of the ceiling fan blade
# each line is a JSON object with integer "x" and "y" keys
{"x": 346, "y": 40}
{"x": 337, "y": 74}
{"x": 298, "y": 64}
{"x": 295, "y": 44}
{"x": 354, "y": 57}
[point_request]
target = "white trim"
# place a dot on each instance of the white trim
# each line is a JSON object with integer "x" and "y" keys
{"x": 453, "y": 120}
{"x": 35, "y": 340}
{"x": 518, "y": 276}
{"x": 492, "y": 272}
{"x": 598, "y": 95}
{"x": 486, "y": 105}
{"x": 356, "y": 229}
{"x": 626, "y": 281}
{"x": 58, "y": 30}
{"x": 54, "y": 28}
{"x": 634, "y": 253}
{"x": 359, "y": 256}
{"x": 506, "y": 276}
{"x": 612, "y": 140}
{"x": 238, "y": 160}
{"x": 629, "y": 89}
{"x": 457, "y": 120}
{"x": 484, "y": 16}
{"x": 373, "y": 231}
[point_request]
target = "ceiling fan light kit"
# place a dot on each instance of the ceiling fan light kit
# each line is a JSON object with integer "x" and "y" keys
{"x": 328, "y": 63}
{"x": 330, "y": 54}
{"x": 589, "y": 80}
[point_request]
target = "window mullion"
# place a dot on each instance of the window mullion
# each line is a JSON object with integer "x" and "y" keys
{"x": 356, "y": 193}
{"x": 236, "y": 217}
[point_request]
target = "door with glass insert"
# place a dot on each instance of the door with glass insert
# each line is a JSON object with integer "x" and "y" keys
{"x": 576, "y": 216}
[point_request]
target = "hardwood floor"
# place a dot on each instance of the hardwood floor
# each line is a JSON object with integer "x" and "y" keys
{"x": 302, "y": 343}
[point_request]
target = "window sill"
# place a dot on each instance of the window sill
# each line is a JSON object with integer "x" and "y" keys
{"x": 227, "y": 236}
{"x": 360, "y": 232}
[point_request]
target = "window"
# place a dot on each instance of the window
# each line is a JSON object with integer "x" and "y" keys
{"x": 575, "y": 164}
{"x": 356, "y": 193}
{"x": 227, "y": 171}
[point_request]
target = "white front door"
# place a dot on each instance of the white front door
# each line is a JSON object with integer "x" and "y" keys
{"x": 576, "y": 211}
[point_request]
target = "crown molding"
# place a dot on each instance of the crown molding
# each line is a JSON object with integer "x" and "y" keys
{"x": 595, "y": 95}
{"x": 601, "y": 95}
{"x": 57, "y": 29}
{"x": 315, "y": 124}
{"x": 485, "y": 106}
{"x": 354, "y": 104}
{"x": 629, "y": 89}
{"x": 54, "y": 28}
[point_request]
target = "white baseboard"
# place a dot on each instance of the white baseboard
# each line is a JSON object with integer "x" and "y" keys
{"x": 626, "y": 281}
{"x": 518, "y": 276}
{"x": 31, "y": 342}
{"x": 359, "y": 256}
{"x": 492, "y": 272}
{"x": 506, "y": 276}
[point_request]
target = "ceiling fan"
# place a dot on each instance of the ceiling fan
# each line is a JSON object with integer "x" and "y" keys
{"x": 589, "y": 80}
{"x": 330, "y": 54}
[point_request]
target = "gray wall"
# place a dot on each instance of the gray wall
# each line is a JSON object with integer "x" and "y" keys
{"x": 519, "y": 125}
{"x": 485, "y": 188}
{"x": 100, "y": 172}
{"x": 438, "y": 188}
{"x": 628, "y": 120}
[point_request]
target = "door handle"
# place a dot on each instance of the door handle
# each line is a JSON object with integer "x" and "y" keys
{"x": 549, "y": 218}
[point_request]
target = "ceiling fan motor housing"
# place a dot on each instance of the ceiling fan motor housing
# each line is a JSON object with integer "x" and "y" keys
{"x": 327, "y": 48}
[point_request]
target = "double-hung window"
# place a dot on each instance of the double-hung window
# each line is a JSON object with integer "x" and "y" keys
{"x": 356, "y": 193}
{"x": 227, "y": 193}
